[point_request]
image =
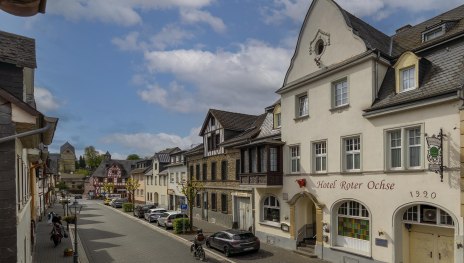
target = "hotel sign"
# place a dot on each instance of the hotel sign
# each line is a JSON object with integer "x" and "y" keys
{"x": 435, "y": 153}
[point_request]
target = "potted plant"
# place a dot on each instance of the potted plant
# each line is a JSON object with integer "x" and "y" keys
{"x": 68, "y": 252}
{"x": 70, "y": 219}
{"x": 275, "y": 216}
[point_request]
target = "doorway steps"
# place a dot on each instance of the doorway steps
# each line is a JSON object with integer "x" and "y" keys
{"x": 306, "y": 248}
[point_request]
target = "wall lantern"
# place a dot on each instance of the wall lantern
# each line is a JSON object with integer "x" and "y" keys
{"x": 301, "y": 182}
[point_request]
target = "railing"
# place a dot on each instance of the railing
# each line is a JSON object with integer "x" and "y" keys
{"x": 263, "y": 179}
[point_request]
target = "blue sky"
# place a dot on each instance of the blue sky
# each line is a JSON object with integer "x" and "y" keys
{"x": 139, "y": 76}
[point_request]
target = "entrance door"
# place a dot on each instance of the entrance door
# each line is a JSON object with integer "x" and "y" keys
{"x": 205, "y": 206}
{"x": 431, "y": 247}
{"x": 244, "y": 213}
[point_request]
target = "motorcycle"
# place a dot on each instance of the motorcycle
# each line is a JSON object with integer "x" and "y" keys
{"x": 198, "y": 252}
{"x": 56, "y": 234}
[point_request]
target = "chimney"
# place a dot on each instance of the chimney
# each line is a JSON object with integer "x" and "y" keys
{"x": 401, "y": 29}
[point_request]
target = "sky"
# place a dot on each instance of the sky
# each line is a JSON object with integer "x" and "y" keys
{"x": 138, "y": 76}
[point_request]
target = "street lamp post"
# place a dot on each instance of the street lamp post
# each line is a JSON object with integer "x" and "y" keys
{"x": 77, "y": 210}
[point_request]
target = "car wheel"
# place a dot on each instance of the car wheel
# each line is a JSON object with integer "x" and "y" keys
{"x": 227, "y": 251}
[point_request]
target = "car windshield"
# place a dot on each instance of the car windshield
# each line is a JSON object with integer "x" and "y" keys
{"x": 243, "y": 236}
{"x": 165, "y": 215}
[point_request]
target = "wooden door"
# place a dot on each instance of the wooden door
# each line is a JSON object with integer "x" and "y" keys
{"x": 245, "y": 217}
{"x": 422, "y": 247}
{"x": 445, "y": 249}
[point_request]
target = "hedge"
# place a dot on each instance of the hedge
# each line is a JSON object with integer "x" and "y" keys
{"x": 127, "y": 207}
{"x": 178, "y": 225}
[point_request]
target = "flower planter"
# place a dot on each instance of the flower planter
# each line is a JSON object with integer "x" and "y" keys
{"x": 68, "y": 252}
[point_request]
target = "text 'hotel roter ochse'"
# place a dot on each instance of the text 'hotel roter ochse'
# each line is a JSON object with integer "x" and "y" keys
{"x": 372, "y": 131}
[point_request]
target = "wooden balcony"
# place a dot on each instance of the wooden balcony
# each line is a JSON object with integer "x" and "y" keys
{"x": 262, "y": 180}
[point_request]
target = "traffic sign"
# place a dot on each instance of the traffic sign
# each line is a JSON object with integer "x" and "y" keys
{"x": 183, "y": 207}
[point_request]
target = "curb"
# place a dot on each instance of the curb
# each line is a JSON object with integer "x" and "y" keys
{"x": 166, "y": 233}
{"x": 82, "y": 255}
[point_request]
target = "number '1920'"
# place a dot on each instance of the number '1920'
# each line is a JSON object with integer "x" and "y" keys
{"x": 424, "y": 194}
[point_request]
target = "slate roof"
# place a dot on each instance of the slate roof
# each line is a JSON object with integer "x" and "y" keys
{"x": 17, "y": 50}
{"x": 199, "y": 149}
{"x": 230, "y": 120}
{"x": 65, "y": 146}
{"x": 126, "y": 166}
{"x": 249, "y": 133}
{"x": 164, "y": 155}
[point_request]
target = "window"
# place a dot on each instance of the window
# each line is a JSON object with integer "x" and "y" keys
{"x": 262, "y": 159}
{"x": 224, "y": 170}
{"x": 352, "y": 154}
{"x": 171, "y": 176}
{"x": 224, "y": 203}
{"x": 353, "y": 222}
{"x": 217, "y": 140}
{"x": 340, "y": 93}
{"x": 295, "y": 159}
{"x": 205, "y": 170}
{"x": 426, "y": 214}
{"x": 302, "y": 108}
{"x": 277, "y": 120}
{"x": 197, "y": 174}
{"x": 254, "y": 163}
{"x": 198, "y": 200}
{"x": 246, "y": 161}
{"x": 273, "y": 159}
{"x": 213, "y": 171}
{"x": 237, "y": 169}
{"x": 213, "y": 202}
{"x": 320, "y": 157}
{"x": 213, "y": 122}
{"x": 407, "y": 79}
{"x": 271, "y": 209}
{"x": 191, "y": 172}
{"x": 433, "y": 33}
{"x": 405, "y": 155}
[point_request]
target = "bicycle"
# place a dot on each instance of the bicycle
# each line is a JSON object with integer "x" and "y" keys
{"x": 198, "y": 252}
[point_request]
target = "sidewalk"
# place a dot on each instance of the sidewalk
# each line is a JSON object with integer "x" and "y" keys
{"x": 44, "y": 250}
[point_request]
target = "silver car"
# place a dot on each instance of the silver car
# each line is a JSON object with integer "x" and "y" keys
{"x": 153, "y": 214}
{"x": 167, "y": 219}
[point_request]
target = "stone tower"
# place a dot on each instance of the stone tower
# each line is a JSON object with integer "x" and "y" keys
{"x": 68, "y": 158}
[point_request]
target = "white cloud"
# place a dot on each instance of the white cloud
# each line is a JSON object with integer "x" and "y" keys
{"x": 218, "y": 80}
{"x": 120, "y": 12}
{"x": 170, "y": 35}
{"x": 192, "y": 16}
{"x": 377, "y": 9}
{"x": 146, "y": 144}
{"x": 45, "y": 100}
{"x": 129, "y": 42}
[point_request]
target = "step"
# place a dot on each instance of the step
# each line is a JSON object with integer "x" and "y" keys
{"x": 305, "y": 251}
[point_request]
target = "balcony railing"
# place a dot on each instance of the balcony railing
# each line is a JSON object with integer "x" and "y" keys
{"x": 261, "y": 179}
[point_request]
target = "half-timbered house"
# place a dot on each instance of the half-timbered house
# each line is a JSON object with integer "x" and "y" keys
{"x": 112, "y": 171}
{"x": 219, "y": 168}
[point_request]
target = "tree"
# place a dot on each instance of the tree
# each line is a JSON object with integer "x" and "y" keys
{"x": 108, "y": 187}
{"x": 61, "y": 185}
{"x": 92, "y": 157}
{"x": 81, "y": 162}
{"x": 132, "y": 185}
{"x": 190, "y": 189}
{"x": 133, "y": 157}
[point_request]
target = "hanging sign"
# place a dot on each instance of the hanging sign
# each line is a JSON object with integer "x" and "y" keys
{"x": 435, "y": 153}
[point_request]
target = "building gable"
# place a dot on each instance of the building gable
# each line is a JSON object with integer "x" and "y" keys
{"x": 325, "y": 38}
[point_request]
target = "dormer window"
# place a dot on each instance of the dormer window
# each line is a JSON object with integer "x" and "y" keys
{"x": 213, "y": 121}
{"x": 407, "y": 81}
{"x": 433, "y": 33}
{"x": 277, "y": 116}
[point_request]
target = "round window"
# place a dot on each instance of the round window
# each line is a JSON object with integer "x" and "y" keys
{"x": 319, "y": 47}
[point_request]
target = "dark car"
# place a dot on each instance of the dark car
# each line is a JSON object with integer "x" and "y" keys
{"x": 118, "y": 202}
{"x": 140, "y": 210}
{"x": 233, "y": 241}
{"x": 78, "y": 197}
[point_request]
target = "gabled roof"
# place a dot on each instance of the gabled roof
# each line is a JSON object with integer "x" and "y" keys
{"x": 125, "y": 165}
{"x": 229, "y": 120}
{"x": 199, "y": 149}
{"x": 65, "y": 146}
{"x": 17, "y": 50}
{"x": 164, "y": 155}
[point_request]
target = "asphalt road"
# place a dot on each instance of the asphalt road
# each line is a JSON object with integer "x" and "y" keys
{"x": 108, "y": 236}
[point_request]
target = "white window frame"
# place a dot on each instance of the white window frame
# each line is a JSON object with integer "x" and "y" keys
{"x": 411, "y": 79}
{"x": 335, "y": 88}
{"x": 275, "y": 206}
{"x": 302, "y": 105}
{"x": 434, "y": 33}
{"x": 353, "y": 152}
{"x": 319, "y": 154}
{"x": 352, "y": 244}
{"x": 295, "y": 155}
{"x": 405, "y": 147}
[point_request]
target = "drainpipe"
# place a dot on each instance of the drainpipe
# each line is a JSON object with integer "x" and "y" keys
{"x": 24, "y": 134}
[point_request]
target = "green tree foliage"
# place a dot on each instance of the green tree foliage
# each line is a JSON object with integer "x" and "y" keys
{"x": 92, "y": 157}
{"x": 132, "y": 185}
{"x": 61, "y": 185}
{"x": 133, "y": 157}
{"x": 82, "y": 171}
{"x": 81, "y": 162}
{"x": 190, "y": 189}
{"x": 108, "y": 187}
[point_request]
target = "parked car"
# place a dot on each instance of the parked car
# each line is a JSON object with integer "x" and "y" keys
{"x": 153, "y": 214}
{"x": 233, "y": 241}
{"x": 107, "y": 201}
{"x": 167, "y": 218}
{"x": 78, "y": 197}
{"x": 117, "y": 203}
{"x": 140, "y": 210}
